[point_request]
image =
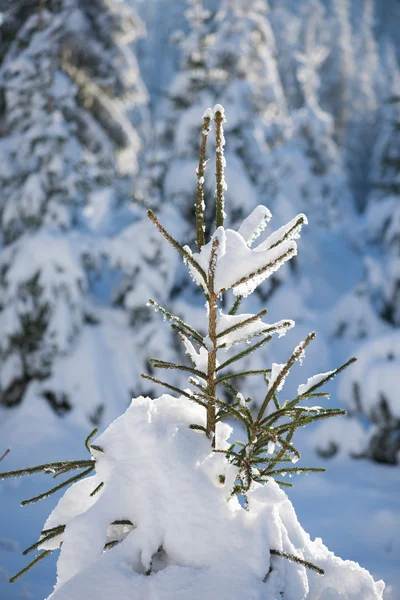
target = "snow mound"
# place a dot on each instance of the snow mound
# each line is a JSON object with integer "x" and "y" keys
{"x": 186, "y": 539}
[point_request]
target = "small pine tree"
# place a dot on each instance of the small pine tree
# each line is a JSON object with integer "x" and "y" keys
{"x": 169, "y": 490}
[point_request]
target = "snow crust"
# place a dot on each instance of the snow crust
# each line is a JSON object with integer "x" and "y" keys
{"x": 164, "y": 478}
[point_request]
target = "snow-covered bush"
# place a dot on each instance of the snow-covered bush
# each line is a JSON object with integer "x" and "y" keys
{"x": 175, "y": 507}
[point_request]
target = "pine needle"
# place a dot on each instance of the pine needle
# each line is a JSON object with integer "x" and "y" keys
{"x": 271, "y": 265}
{"x": 58, "y": 487}
{"x": 89, "y": 437}
{"x": 236, "y": 305}
{"x": 48, "y": 467}
{"x": 186, "y": 255}
{"x": 243, "y": 353}
{"x": 171, "y": 317}
{"x": 200, "y": 205}
{"x": 46, "y": 538}
{"x": 220, "y": 165}
{"x": 298, "y": 560}
{"x": 32, "y": 564}
{"x": 175, "y": 389}
{"x": 97, "y": 489}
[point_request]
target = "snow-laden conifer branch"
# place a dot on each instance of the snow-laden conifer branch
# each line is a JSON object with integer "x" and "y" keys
{"x": 32, "y": 564}
{"x": 89, "y": 437}
{"x": 59, "y": 528}
{"x": 46, "y": 468}
{"x": 243, "y": 353}
{"x": 268, "y": 268}
{"x": 219, "y": 118}
{"x": 295, "y": 470}
{"x": 242, "y": 374}
{"x": 314, "y": 383}
{"x": 55, "y": 489}
{"x": 281, "y": 376}
{"x": 187, "y": 335}
{"x": 57, "y": 531}
{"x": 171, "y": 317}
{"x": 175, "y": 389}
{"x": 187, "y": 256}
{"x": 212, "y": 334}
{"x": 97, "y": 489}
{"x": 161, "y": 364}
{"x": 236, "y": 305}
{"x": 297, "y": 559}
{"x": 290, "y": 231}
{"x": 200, "y": 204}
{"x": 241, "y": 324}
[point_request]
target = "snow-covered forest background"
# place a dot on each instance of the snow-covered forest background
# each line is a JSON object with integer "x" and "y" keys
{"x": 100, "y": 115}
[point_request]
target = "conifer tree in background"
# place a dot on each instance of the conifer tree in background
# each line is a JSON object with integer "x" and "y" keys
{"x": 383, "y": 209}
{"x": 370, "y": 391}
{"x": 292, "y": 159}
{"x": 172, "y": 498}
{"x": 340, "y": 66}
{"x": 307, "y": 165}
{"x": 352, "y": 88}
{"x": 374, "y": 389}
{"x": 69, "y": 86}
{"x": 230, "y": 54}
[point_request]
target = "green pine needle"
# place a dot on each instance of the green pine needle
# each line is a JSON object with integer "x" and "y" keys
{"x": 175, "y": 389}
{"x": 297, "y": 559}
{"x": 242, "y": 374}
{"x": 97, "y": 489}
{"x": 32, "y": 564}
{"x": 162, "y": 364}
{"x": 243, "y": 353}
{"x": 58, "y": 487}
{"x": 171, "y": 317}
{"x": 243, "y": 323}
{"x": 236, "y": 305}
{"x": 186, "y": 255}
{"x": 55, "y": 533}
{"x": 46, "y": 468}
{"x": 89, "y": 437}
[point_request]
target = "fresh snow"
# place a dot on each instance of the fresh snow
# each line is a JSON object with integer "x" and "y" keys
{"x": 254, "y": 224}
{"x": 238, "y": 267}
{"x": 164, "y": 478}
{"x": 276, "y": 370}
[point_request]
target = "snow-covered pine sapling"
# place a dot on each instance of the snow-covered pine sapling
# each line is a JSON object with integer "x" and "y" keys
{"x": 226, "y": 263}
